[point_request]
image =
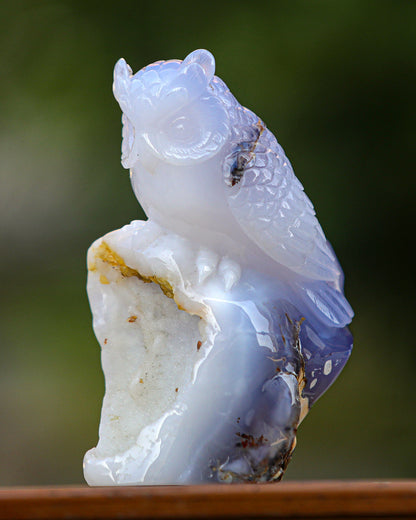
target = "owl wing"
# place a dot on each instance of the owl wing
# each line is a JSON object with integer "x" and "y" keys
{"x": 270, "y": 205}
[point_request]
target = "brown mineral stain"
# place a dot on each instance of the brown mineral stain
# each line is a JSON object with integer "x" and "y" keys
{"x": 248, "y": 441}
{"x": 304, "y": 401}
{"x": 176, "y": 389}
{"x": 242, "y": 160}
{"x": 260, "y": 127}
{"x": 132, "y": 319}
{"x": 105, "y": 341}
{"x": 301, "y": 375}
{"x": 108, "y": 256}
{"x": 199, "y": 345}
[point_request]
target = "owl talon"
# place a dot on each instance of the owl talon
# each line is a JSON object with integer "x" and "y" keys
{"x": 206, "y": 263}
{"x": 230, "y": 272}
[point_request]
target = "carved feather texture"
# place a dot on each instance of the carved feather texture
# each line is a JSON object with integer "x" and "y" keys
{"x": 270, "y": 205}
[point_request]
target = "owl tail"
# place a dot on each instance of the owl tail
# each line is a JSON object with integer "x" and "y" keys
{"x": 327, "y": 303}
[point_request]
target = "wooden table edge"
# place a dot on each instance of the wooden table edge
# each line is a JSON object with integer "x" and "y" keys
{"x": 309, "y": 499}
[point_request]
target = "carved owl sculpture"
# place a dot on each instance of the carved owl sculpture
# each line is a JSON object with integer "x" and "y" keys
{"x": 204, "y": 166}
{"x": 248, "y": 326}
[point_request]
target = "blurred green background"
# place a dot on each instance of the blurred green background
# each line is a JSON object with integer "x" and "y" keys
{"x": 334, "y": 80}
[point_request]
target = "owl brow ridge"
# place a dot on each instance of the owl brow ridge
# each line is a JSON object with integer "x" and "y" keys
{"x": 241, "y": 161}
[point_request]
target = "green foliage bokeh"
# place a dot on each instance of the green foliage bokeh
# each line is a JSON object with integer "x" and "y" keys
{"x": 333, "y": 80}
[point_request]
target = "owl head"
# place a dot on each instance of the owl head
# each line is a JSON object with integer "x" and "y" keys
{"x": 170, "y": 110}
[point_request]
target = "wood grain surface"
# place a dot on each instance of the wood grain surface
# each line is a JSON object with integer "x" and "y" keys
{"x": 326, "y": 500}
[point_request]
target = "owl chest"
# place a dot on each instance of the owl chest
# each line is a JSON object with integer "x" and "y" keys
{"x": 195, "y": 194}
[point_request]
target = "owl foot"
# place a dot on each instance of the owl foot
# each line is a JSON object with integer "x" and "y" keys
{"x": 230, "y": 272}
{"x": 206, "y": 262}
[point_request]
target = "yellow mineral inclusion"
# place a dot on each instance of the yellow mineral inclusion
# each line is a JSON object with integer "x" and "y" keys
{"x": 104, "y": 279}
{"x": 108, "y": 256}
{"x": 304, "y": 401}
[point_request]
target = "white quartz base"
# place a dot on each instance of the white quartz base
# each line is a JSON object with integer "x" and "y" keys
{"x": 151, "y": 348}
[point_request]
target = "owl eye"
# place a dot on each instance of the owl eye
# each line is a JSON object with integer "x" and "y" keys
{"x": 182, "y": 130}
{"x": 194, "y": 134}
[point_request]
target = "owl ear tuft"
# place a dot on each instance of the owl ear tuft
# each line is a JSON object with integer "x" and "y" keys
{"x": 121, "y": 84}
{"x": 204, "y": 59}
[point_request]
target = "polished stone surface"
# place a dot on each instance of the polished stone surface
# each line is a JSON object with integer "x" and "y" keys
{"x": 222, "y": 318}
